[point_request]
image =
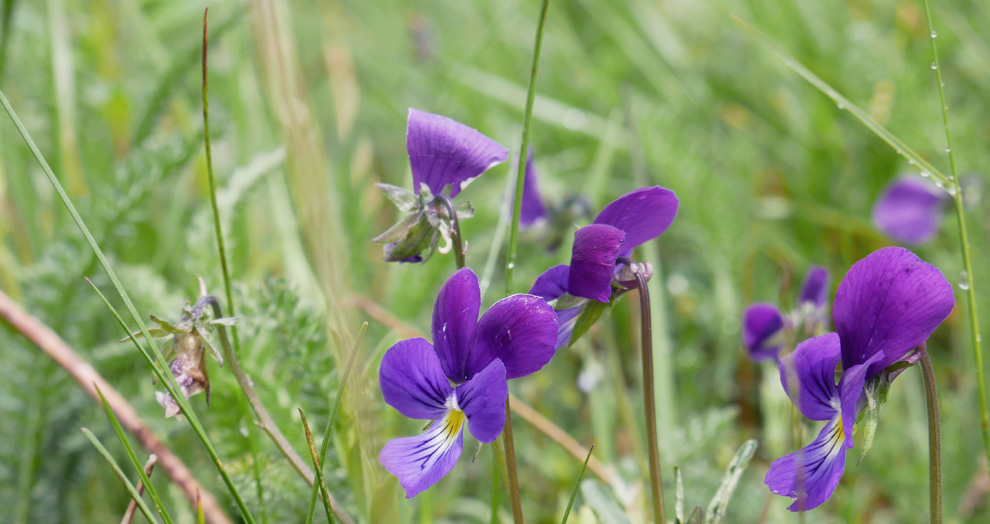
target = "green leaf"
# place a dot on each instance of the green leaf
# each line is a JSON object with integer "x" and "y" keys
{"x": 403, "y": 199}
{"x": 606, "y": 508}
{"x": 592, "y": 312}
{"x": 720, "y": 502}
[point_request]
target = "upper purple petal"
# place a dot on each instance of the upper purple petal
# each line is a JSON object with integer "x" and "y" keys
{"x": 420, "y": 461}
{"x": 552, "y": 283}
{"x": 812, "y": 366}
{"x": 455, "y": 318}
{"x": 532, "y": 204}
{"x": 593, "y": 261}
{"x": 482, "y": 399}
{"x": 412, "y": 380}
{"x": 762, "y": 324}
{"x": 890, "y": 302}
{"x": 810, "y": 475}
{"x": 444, "y": 152}
{"x": 519, "y": 330}
{"x": 643, "y": 215}
{"x": 815, "y": 288}
{"x": 910, "y": 210}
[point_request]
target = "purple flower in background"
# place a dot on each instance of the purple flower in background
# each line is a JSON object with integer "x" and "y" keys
{"x": 445, "y": 156}
{"x": 887, "y": 305}
{"x": 910, "y": 210}
{"x": 514, "y": 338}
{"x": 764, "y": 326}
{"x": 600, "y": 254}
{"x": 533, "y": 210}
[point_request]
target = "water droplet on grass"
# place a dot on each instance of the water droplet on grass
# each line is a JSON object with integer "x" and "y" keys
{"x": 963, "y": 280}
{"x": 934, "y": 34}
{"x": 925, "y": 174}
{"x": 948, "y": 149}
{"x": 934, "y": 66}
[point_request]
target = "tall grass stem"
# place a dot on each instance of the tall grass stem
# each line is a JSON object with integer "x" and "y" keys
{"x": 957, "y": 195}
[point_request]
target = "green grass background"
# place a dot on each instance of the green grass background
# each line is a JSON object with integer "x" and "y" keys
{"x": 308, "y": 105}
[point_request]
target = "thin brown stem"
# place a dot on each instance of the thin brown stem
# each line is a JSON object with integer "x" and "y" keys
{"x": 649, "y": 398}
{"x": 934, "y": 440}
{"x": 52, "y": 345}
{"x": 510, "y": 462}
{"x": 132, "y": 505}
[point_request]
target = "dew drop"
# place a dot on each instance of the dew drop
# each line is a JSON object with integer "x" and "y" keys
{"x": 512, "y": 265}
{"x": 911, "y": 162}
{"x": 934, "y": 66}
{"x": 951, "y": 191}
{"x": 939, "y": 185}
{"x": 948, "y": 149}
{"x": 963, "y": 280}
{"x": 840, "y": 105}
{"x": 934, "y": 34}
{"x": 925, "y": 174}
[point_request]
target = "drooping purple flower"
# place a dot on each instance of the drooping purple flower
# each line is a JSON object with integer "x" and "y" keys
{"x": 810, "y": 475}
{"x": 763, "y": 328}
{"x": 444, "y": 153}
{"x": 514, "y": 338}
{"x": 910, "y": 210}
{"x": 887, "y": 305}
{"x": 626, "y": 223}
{"x": 533, "y": 210}
{"x": 815, "y": 288}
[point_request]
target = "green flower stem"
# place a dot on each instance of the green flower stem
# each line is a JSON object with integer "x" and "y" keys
{"x": 455, "y": 229}
{"x": 934, "y": 440}
{"x": 957, "y": 195}
{"x": 656, "y": 484}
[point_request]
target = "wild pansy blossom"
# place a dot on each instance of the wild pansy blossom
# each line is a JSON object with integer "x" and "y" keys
{"x": 445, "y": 156}
{"x": 601, "y": 252}
{"x": 461, "y": 377}
{"x": 764, "y": 326}
{"x": 910, "y": 210}
{"x": 887, "y": 306}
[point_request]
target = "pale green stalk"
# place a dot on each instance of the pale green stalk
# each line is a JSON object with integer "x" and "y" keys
{"x": 510, "y": 451}
{"x": 957, "y": 195}
{"x": 131, "y": 490}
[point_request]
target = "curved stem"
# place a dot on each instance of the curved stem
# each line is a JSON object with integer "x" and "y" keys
{"x": 957, "y": 195}
{"x": 649, "y": 398}
{"x": 455, "y": 229}
{"x": 934, "y": 440}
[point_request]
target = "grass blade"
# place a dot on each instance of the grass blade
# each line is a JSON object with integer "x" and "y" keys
{"x": 319, "y": 469}
{"x": 716, "y": 508}
{"x": 577, "y": 484}
{"x": 158, "y": 363}
{"x": 148, "y": 486}
{"x": 120, "y": 474}
{"x": 333, "y": 417}
{"x": 843, "y": 103}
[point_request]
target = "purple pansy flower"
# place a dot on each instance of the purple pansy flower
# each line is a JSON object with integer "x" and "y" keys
{"x": 887, "y": 305}
{"x": 626, "y": 223}
{"x": 533, "y": 210}
{"x": 445, "y": 156}
{"x": 445, "y": 153}
{"x": 514, "y": 338}
{"x": 763, "y": 325}
{"x": 910, "y": 210}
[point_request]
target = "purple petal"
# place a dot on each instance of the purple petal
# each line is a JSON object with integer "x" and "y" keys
{"x": 519, "y": 330}
{"x": 566, "y": 320}
{"x": 762, "y": 326}
{"x": 815, "y": 288}
{"x": 810, "y": 475}
{"x": 910, "y": 210}
{"x": 443, "y": 152}
{"x": 850, "y": 390}
{"x": 890, "y": 302}
{"x": 552, "y": 283}
{"x": 593, "y": 261}
{"x": 412, "y": 380}
{"x": 420, "y": 461}
{"x": 812, "y": 365}
{"x": 455, "y": 317}
{"x": 643, "y": 215}
{"x": 483, "y": 401}
{"x": 533, "y": 209}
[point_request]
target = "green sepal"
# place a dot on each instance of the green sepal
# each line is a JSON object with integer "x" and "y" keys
{"x": 592, "y": 312}
{"x": 876, "y": 390}
{"x": 403, "y": 199}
